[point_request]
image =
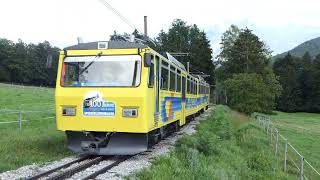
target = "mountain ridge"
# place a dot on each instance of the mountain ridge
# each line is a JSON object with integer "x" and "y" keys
{"x": 312, "y": 46}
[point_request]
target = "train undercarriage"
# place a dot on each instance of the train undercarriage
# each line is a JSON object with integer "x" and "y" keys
{"x": 119, "y": 143}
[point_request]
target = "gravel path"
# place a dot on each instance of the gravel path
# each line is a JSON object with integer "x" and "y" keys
{"x": 124, "y": 169}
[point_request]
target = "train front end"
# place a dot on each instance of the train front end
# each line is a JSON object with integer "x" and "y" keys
{"x": 100, "y": 98}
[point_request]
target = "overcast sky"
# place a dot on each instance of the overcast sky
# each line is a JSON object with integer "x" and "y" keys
{"x": 282, "y": 24}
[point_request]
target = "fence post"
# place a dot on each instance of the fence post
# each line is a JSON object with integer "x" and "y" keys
{"x": 285, "y": 155}
{"x": 277, "y": 140}
{"x": 268, "y": 126}
{"x": 271, "y": 136}
{"x": 301, "y": 168}
{"x": 20, "y": 120}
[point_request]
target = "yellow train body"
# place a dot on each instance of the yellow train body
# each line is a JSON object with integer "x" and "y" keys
{"x": 147, "y": 107}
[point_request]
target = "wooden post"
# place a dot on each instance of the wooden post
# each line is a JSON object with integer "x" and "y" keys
{"x": 20, "y": 120}
{"x": 285, "y": 155}
{"x": 271, "y": 136}
{"x": 301, "y": 168}
{"x": 277, "y": 141}
{"x": 268, "y": 127}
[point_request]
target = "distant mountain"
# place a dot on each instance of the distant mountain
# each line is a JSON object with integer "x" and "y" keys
{"x": 312, "y": 46}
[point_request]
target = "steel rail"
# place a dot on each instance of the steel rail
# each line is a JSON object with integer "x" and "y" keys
{"x": 70, "y": 172}
{"x": 46, "y": 173}
{"x": 106, "y": 168}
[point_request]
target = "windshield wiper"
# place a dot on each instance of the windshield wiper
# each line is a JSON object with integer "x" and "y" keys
{"x": 95, "y": 58}
{"x": 135, "y": 73}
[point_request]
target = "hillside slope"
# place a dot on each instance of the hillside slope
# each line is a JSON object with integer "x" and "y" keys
{"x": 312, "y": 46}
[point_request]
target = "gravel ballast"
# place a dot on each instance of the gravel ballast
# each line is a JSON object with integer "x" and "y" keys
{"x": 126, "y": 168}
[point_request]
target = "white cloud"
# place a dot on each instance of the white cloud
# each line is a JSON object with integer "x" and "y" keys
{"x": 61, "y": 21}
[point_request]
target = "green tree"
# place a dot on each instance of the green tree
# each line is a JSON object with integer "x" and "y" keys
{"x": 288, "y": 70}
{"x": 6, "y": 51}
{"x": 316, "y": 89}
{"x": 306, "y": 82}
{"x": 184, "y": 38}
{"x": 246, "y": 56}
{"x": 249, "y": 93}
{"x": 26, "y": 63}
{"x": 227, "y": 41}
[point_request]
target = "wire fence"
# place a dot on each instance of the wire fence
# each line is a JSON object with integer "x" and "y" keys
{"x": 293, "y": 161}
{"x": 9, "y": 116}
{"x": 23, "y": 105}
{"x": 24, "y": 86}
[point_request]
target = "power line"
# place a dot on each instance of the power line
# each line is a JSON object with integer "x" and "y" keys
{"x": 105, "y": 3}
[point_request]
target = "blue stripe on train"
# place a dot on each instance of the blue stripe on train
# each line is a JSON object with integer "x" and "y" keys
{"x": 176, "y": 105}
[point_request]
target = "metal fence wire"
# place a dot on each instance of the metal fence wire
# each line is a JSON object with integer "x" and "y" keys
{"x": 20, "y": 115}
{"x": 293, "y": 161}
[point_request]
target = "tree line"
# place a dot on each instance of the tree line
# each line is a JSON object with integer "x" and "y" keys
{"x": 28, "y": 63}
{"x": 300, "y": 80}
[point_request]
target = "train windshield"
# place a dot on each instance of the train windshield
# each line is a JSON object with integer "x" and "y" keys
{"x": 101, "y": 71}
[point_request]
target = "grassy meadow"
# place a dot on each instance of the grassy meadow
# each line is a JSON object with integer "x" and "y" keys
{"x": 38, "y": 141}
{"x": 303, "y": 131}
{"x": 228, "y": 145}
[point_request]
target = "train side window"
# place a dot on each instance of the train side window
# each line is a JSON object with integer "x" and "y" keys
{"x": 178, "y": 81}
{"x": 151, "y": 75}
{"x": 183, "y": 88}
{"x": 195, "y": 87}
{"x": 191, "y": 88}
{"x": 188, "y": 85}
{"x": 172, "y": 78}
{"x": 164, "y": 75}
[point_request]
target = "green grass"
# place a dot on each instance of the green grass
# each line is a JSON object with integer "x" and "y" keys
{"x": 303, "y": 131}
{"x": 38, "y": 141}
{"x": 228, "y": 145}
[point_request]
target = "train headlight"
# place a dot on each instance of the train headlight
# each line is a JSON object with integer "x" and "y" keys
{"x": 68, "y": 111}
{"x": 130, "y": 112}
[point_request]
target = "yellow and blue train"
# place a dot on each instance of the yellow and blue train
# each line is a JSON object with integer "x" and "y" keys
{"x": 119, "y": 98}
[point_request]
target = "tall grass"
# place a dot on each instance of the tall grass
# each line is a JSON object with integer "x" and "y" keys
{"x": 222, "y": 148}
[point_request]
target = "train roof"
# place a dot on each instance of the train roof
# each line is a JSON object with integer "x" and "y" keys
{"x": 107, "y": 45}
{"x": 173, "y": 60}
{"x": 120, "y": 45}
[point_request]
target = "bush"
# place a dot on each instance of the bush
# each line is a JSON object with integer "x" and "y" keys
{"x": 249, "y": 92}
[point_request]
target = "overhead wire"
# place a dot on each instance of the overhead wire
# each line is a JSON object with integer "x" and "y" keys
{"x": 116, "y": 12}
{"x": 124, "y": 19}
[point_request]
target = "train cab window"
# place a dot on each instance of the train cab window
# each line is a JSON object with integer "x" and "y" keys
{"x": 178, "y": 81}
{"x": 101, "y": 71}
{"x": 151, "y": 76}
{"x": 164, "y": 75}
{"x": 172, "y": 78}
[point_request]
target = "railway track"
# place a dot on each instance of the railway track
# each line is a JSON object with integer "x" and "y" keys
{"x": 80, "y": 164}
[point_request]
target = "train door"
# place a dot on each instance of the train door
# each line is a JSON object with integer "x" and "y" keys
{"x": 183, "y": 97}
{"x": 157, "y": 90}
